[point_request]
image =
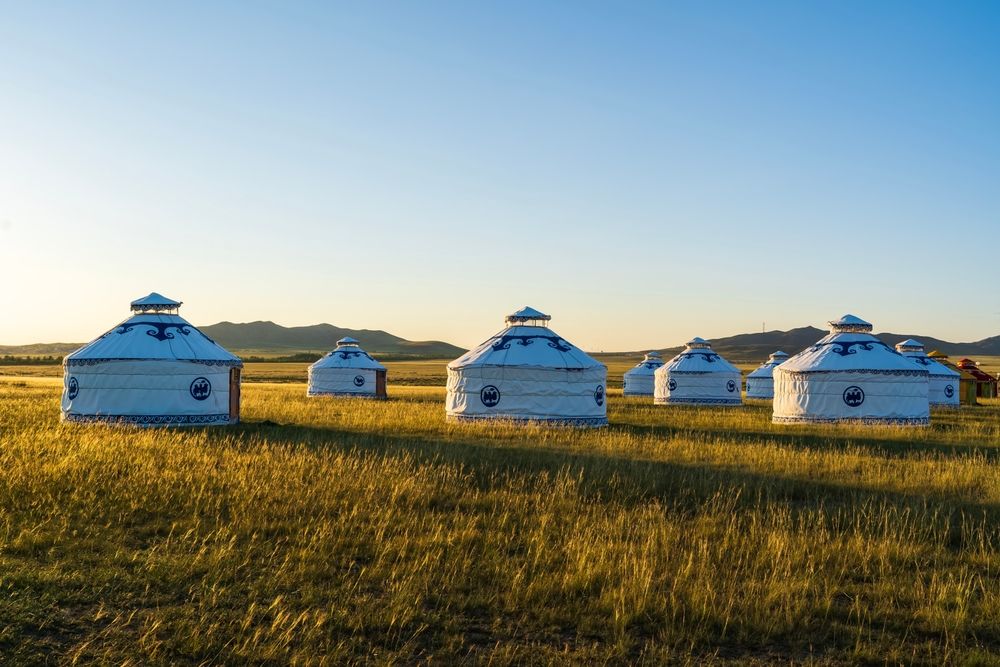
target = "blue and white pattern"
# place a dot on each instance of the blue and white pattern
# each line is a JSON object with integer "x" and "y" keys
{"x": 149, "y": 420}
{"x": 850, "y": 375}
{"x": 144, "y": 369}
{"x": 697, "y": 376}
{"x": 348, "y": 370}
{"x": 526, "y": 373}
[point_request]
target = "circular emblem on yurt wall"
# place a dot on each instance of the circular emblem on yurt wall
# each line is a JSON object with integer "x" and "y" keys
{"x": 201, "y": 389}
{"x": 854, "y": 396}
{"x": 599, "y": 395}
{"x": 359, "y": 380}
{"x": 73, "y": 388}
{"x": 489, "y": 395}
{"x": 949, "y": 390}
{"x": 731, "y": 386}
{"x": 671, "y": 384}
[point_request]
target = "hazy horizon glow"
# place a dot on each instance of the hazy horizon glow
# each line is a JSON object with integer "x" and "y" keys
{"x": 642, "y": 173}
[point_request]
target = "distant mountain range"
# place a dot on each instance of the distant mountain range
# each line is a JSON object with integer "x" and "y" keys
{"x": 757, "y": 346}
{"x": 270, "y": 339}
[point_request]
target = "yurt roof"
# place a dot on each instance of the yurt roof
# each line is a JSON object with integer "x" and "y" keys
{"x": 650, "y": 362}
{"x": 973, "y": 369}
{"x": 526, "y": 345}
{"x": 153, "y": 335}
{"x": 849, "y": 346}
{"x": 766, "y": 369}
{"x": 698, "y": 357}
{"x": 348, "y": 354}
{"x": 914, "y": 350}
{"x": 154, "y": 301}
{"x": 527, "y": 314}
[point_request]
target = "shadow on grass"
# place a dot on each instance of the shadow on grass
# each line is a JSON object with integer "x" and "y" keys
{"x": 607, "y": 477}
{"x": 931, "y": 440}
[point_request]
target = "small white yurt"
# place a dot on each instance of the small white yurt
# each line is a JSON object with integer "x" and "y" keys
{"x": 850, "y": 376}
{"x": 528, "y": 373}
{"x": 154, "y": 368}
{"x": 760, "y": 382}
{"x": 697, "y": 376}
{"x": 347, "y": 371}
{"x": 638, "y": 381}
{"x": 942, "y": 382}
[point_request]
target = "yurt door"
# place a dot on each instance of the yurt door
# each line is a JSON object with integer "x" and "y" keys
{"x": 380, "y": 383}
{"x": 234, "y": 395}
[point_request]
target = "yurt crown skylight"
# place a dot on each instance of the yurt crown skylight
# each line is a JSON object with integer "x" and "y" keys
{"x": 155, "y": 303}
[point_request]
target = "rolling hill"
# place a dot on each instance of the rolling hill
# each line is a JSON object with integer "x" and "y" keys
{"x": 270, "y": 339}
{"x": 757, "y": 346}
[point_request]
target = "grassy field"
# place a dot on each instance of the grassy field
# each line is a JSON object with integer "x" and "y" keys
{"x": 325, "y": 531}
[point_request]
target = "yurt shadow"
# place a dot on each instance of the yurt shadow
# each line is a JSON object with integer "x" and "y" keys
{"x": 829, "y": 438}
{"x": 607, "y": 476}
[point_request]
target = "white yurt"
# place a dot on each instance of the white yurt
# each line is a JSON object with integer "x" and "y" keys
{"x": 638, "y": 381}
{"x": 697, "y": 376}
{"x": 154, "y": 368}
{"x": 347, "y": 371}
{"x": 528, "y": 373}
{"x": 760, "y": 382}
{"x": 850, "y": 376}
{"x": 942, "y": 382}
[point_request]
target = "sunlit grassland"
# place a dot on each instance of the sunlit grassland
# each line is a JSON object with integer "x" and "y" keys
{"x": 332, "y": 531}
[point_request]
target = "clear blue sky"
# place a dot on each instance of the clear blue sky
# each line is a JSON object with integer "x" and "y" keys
{"x": 642, "y": 172}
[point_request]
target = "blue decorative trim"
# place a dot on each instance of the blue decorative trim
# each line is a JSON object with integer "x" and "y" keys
{"x": 233, "y": 363}
{"x": 524, "y": 421}
{"x": 892, "y": 421}
{"x": 200, "y": 388}
{"x": 916, "y": 372}
{"x": 347, "y": 354}
{"x": 148, "y": 420}
{"x": 159, "y": 330}
{"x": 846, "y": 347}
{"x": 697, "y": 401}
{"x": 710, "y": 357}
{"x": 555, "y": 342}
{"x": 631, "y": 392}
{"x": 344, "y": 394}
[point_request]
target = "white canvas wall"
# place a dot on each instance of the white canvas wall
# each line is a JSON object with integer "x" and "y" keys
{"x": 830, "y": 397}
{"x": 341, "y": 382}
{"x": 576, "y": 397}
{"x": 146, "y": 392}
{"x": 720, "y": 388}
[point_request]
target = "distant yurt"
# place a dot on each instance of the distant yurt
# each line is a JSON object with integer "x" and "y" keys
{"x": 966, "y": 381}
{"x": 347, "y": 371}
{"x": 942, "y": 387}
{"x": 986, "y": 384}
{"x": 527, "y": 373}
{"x": 153, "y": 369}
{"x": 697, "y": 376}
{"x": 850, "y": 376}
{"x": 638, "y": 381}
{"x": 760, "y": 382}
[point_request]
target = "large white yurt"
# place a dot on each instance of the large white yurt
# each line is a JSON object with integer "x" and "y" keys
{"x": 760, "y": 382}
{"x": 527, "y": 373}
{"x": 154, "y": 368}
{"x": 697, "y": 376}
{"x": 347, "y": 371}
{"x": 638, "y": 381}
{"x": 850, "y": 376}
{"x": 942, "y": 382}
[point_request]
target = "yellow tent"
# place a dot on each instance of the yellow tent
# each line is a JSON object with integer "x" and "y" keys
{"x": 966, "y": 381}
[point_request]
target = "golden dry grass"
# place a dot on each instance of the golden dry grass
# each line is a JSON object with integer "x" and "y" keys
{"x": 325, "y": 531}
